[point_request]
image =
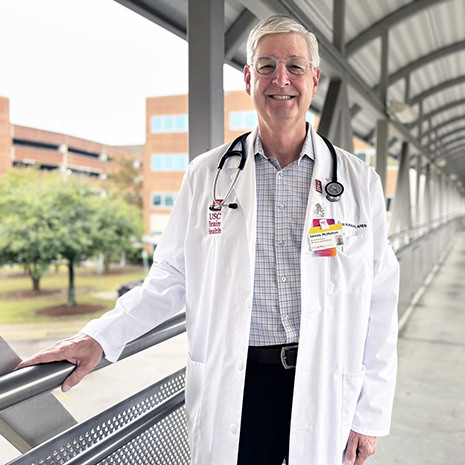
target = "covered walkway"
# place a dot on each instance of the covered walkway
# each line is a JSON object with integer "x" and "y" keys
{"x": 393, "y": 75}
{"x": 428, "y": 425}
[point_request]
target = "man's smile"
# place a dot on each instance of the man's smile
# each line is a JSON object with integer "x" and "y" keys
{"x": 281, "y": 97}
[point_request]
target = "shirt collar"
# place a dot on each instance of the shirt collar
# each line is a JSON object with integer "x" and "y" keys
{"x": 307, "y": 147}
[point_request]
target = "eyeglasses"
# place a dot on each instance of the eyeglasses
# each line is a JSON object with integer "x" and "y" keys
{"x": 295, "y": 66}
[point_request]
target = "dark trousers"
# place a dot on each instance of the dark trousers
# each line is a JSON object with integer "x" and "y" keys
{"x": 266, "y": 414}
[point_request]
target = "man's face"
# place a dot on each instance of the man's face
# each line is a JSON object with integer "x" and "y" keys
{"x": 282, "y": 96}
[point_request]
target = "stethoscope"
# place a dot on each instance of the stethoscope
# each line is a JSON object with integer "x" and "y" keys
{"x": 333, "y": 189}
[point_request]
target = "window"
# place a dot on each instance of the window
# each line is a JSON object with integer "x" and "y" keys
{"x": 169, "y": 161}
{"x": 310, "y": 117}
{"x": 368, "y": 156}
{"x": 163, "y": 199}
{"x": 242, "y": 120}
{"x": 361, "y": 155}
{"x": 168, "y": 123}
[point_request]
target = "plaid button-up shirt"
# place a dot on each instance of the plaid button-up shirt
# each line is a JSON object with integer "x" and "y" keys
{"x": 282, "y": 196}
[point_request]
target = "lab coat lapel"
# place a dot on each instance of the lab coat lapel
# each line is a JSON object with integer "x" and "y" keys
{"x": 321, "y": 176}
{"x": 245, "y": 194}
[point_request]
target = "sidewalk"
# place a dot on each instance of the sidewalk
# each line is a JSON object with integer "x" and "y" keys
{"x": 44, "y": 330}
{"x": 428, "y": 426}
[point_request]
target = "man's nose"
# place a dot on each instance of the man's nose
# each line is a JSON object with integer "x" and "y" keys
{"x": 281, "y": 78}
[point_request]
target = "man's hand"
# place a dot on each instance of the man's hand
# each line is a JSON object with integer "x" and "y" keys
{"x": 359, "y": 448}
{"x": 81, "y": 350}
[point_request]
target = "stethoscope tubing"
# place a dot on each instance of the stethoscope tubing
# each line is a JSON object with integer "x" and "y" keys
{"x": 231, "y": 152}
{"x": 333, "y": 189}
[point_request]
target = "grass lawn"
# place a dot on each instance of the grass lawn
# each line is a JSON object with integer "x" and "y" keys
{"x": 18, "y": 304}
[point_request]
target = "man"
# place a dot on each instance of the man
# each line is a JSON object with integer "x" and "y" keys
{"x": 263, "y": 276}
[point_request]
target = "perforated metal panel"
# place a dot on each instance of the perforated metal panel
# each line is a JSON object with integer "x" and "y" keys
{"x": 164, "y": 444}
{"x": 119, "y": 435}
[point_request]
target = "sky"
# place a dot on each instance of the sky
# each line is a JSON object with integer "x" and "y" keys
{"x": 85, "y": 67}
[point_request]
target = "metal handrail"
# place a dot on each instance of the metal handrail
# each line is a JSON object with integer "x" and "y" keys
{"x": 30, "y": 382}
{"x": 159, "y": 406}
{"x": 414, "y": 238}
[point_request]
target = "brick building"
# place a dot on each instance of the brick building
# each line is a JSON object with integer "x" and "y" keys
{"x": 24, "y": 146}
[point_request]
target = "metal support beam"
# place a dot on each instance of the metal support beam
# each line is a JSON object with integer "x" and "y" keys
{"x": 335, "y": 122}
{"x": 206, "y": 57}
{"x": 384, "y": 75}
{"x": 427, "y": 198}
{"x": 402, "y": 210}
{"x": 50, "y": 417}
{"x": 339, "y": 14}
{"x": 382, "y": 133}
{"x": 419, "y": 169}
{"x": 238, "y": 32}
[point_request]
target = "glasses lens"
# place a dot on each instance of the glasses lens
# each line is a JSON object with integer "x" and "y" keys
{"x": 297, "y": 66}
{"x": 267, "y": 66}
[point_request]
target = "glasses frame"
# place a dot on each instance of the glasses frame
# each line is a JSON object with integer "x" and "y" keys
{"x": 285, "y": 61}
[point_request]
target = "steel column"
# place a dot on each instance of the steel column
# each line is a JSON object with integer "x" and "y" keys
{"x": 382, "y": 133}
{"x": 206, "y": 57}
{"x": 335, "y": 122}
{"x": 402, "y": 210}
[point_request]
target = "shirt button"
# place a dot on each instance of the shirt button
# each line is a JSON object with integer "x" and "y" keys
{"x": 281, "y": 243}
{"x": 281, "y": 173}
{"x": 234, "y": 429}
{"x": 239, "y": 366}
{"x": 281, "y": 206}
{"x": 283, "y": 279}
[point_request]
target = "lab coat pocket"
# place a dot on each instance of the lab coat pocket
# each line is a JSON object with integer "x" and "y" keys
{"x": 349, "y": 270}
{"x": 352, "y": 384}
{"x": 194, "y": 394}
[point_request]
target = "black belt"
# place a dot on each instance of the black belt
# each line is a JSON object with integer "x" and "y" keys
{"x": 285, "y": 355}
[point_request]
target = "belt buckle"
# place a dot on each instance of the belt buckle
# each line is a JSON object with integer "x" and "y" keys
{"x": 284, "y": 357}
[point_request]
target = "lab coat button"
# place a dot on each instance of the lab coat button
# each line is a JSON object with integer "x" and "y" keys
{"x": 239, "y": 366}
{"x": 234, "y": 429}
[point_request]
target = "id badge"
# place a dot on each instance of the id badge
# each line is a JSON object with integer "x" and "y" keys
{"x": 325, "y": 237}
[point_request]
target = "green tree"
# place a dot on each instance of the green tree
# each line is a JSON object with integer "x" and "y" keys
{"x": 26, "y": 236}
{"x": 45, "y": 217}
{"x": 117, "y": 226}
{"x": 127, "y": 180}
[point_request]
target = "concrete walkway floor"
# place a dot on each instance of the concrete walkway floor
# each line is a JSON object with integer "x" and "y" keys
{"x": 428, "y": 426}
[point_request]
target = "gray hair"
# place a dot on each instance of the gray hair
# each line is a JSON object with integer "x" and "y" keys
{"x": 281, "y": 24}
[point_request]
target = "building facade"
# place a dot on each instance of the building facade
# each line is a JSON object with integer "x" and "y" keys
{"x": 47, "y": 150}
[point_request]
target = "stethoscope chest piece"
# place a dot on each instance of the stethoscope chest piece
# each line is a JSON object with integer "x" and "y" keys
{"x": 334, "y": 191}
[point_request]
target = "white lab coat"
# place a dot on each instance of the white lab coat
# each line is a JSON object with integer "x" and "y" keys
{"x": 346, "y": 364}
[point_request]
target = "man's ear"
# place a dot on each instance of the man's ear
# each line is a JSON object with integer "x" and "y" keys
{"x": 316, "y": 81}
{"x": 247, "y": 77}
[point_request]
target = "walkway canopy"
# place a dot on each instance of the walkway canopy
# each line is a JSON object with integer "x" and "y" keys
{"x": 393, "y": 71}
